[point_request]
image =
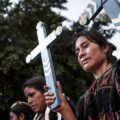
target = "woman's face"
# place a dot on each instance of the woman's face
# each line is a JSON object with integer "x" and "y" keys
{"x": 90, "y": 55}
{"x": 13, "y": 116}
{"x": 35, "y": 99}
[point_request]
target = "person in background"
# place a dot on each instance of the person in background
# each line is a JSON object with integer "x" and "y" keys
{"x": 33, "y": 89}
{"x": 21, "y": 111}
{"x": 102, "y": 100}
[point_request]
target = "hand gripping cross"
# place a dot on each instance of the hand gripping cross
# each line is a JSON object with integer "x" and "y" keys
{"x": 43, "y": 48}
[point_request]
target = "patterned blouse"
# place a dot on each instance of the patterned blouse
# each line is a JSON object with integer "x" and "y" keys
{"x": 102, "y": 100}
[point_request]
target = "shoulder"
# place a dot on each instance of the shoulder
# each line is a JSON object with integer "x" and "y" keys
{"x": 116, "y": 75}
{"x": 117, "y": 65}
{"x": 38, "y": 117}
{"x": 50, "y": 115}
{"x": 116, "y": 70}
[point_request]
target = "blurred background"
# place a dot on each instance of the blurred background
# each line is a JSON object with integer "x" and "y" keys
{"x": 18, "y": 19}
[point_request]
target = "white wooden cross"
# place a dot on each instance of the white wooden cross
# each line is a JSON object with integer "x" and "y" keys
{"x": 43, "y": 49}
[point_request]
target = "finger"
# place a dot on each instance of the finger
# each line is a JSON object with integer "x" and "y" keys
{"x": 59, "y": 87}
{"x": 45, "y": 88}
{"x": 49, "y": 102}
{"x": 48, "y": 93}
{"x": 49, "y": 98}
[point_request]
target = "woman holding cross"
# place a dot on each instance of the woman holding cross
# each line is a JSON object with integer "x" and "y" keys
{"x": 102, "y": 100}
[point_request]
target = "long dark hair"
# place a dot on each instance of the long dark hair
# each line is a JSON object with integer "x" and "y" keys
{"x": 36, "y": 82}
{"x": 98, "y": 38}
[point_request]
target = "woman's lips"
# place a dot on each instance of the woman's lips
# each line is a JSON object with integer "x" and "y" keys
{"x": 84, "y": 61}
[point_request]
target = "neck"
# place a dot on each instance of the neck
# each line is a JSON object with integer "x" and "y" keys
{"x": 104, "y": 67}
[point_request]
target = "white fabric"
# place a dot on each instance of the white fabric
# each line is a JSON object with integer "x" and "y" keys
{"x": 47, "y": 114}
{"x": 47, "y": 111}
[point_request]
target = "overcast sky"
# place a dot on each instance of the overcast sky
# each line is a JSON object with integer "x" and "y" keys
{"x": 75, "y": 8}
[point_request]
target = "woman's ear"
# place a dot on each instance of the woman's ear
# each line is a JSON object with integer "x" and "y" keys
{"x": 22, "y": 116}
{"x": 105, "y": 48}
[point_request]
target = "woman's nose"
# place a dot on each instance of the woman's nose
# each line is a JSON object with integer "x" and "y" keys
{"x": 81, "y": 53}
{"x": 29, "y": 100}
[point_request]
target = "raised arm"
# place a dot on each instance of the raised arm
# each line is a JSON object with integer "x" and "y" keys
{"x": 64, "y": 108}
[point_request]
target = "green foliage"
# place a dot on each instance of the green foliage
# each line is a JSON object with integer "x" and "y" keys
{"x": 18, "y": 37}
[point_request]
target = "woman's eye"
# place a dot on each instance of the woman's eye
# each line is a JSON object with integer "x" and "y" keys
{"x": 76, "y": 53}
{"x": 85, "y": 45}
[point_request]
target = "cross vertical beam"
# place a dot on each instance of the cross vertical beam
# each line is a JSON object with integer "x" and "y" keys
{"x": 44, "y": 49}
